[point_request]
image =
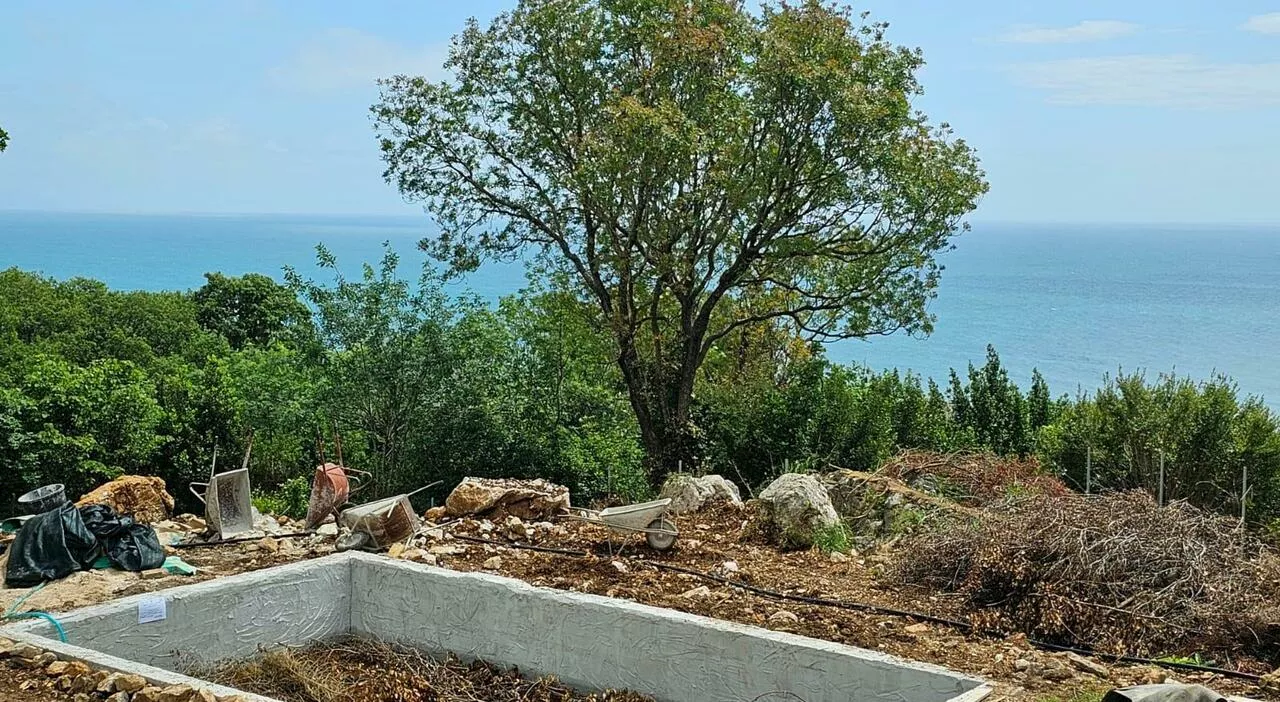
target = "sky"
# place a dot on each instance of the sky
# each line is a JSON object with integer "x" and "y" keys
{"x": 1083, "y": 111}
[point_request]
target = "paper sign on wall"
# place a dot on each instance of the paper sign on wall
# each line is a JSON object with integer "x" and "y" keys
{"x": 152, "y": 609}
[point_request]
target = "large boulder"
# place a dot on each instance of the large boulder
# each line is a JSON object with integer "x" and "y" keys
{"x": 793, "y": 509}
{"x": 530, "y": 500}
{"x": 690, "y": 494}
{"x": 141, "y": 496}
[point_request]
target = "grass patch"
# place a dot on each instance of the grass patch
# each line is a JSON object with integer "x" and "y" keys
{"x": 1092, "y": 694}
{"x": 836, "y": 537}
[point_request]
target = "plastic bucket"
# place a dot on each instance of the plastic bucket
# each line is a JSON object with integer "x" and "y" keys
{"x": 43, "y": 499}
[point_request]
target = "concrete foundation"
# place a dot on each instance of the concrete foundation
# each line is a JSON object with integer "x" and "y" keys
{"x": 589, "y": 642}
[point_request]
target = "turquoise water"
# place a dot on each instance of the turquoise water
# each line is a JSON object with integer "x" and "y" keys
{"x": 1075, "y": 301}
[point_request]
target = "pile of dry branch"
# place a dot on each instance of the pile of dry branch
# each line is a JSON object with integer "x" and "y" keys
{"x": 975, "y": 478}
{"x": 1116, "y": 573}
{"x": 360, "y": 670}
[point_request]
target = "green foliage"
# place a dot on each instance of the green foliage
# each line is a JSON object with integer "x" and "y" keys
{"x": 1091, "y": 694}
{"x": 249, "y": 309}
{"x": 290, "y": 498}
{"x": 833, "y": 539}
{"x": 1207, "y": 433}
{"x": 4, "y": 139}
{"x": 756, "y": 168}
{"x": 1193, "y": 659}
{"x": 421, "y": 386}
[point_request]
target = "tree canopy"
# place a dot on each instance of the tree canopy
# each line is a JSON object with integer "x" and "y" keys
{"x": 696, "y": 168}
{"x": 4, "y": 139}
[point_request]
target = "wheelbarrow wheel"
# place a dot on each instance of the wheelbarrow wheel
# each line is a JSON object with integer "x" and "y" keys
{"x": 659, "y": 541}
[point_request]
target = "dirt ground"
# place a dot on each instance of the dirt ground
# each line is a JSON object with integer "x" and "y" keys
{"x": 359, "y": 670}
{"x": 710, "y": 541}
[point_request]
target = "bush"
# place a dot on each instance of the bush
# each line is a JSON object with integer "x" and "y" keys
{"x": 289, "y": 499}
{"x": 833, "y": 539}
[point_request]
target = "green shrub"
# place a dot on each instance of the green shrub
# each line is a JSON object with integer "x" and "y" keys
{"x": 289, "y": 499}
{"x": 832, "y": 539}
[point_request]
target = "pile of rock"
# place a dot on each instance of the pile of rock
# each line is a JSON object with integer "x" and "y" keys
{"x": 497, "y": 498}
{"x": 690, "y": 494}
{"x": 77, "y": 680}
{"x": 140, "y": 496}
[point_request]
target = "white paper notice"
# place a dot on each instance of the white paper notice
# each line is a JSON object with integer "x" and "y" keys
{"x": 152, "y": 609}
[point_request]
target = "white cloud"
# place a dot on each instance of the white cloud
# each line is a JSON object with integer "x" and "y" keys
{"x": 1263, "y": 24}
{"x": 1179, "y": 81}
{"x": 343, "y": 59}
{"x": 1089, "y": 30}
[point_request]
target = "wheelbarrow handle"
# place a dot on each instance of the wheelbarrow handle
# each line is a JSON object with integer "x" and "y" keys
{"x": 199, "y": 495}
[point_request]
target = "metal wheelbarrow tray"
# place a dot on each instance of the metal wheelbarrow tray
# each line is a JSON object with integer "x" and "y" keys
{"x": 228, "y": 509}
{"x": 648, "y": 518}
{"x": 228, "y": 504}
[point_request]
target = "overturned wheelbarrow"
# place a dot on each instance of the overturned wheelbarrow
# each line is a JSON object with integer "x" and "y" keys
{"x": 331, "y": 489}
{"x": 228, "y": 507}
{"x": 377, "y": 525}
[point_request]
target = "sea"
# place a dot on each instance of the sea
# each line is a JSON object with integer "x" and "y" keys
{"x": 1076, "y": 302}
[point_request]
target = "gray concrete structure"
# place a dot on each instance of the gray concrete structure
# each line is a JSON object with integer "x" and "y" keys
{"x": 588, "y": 641}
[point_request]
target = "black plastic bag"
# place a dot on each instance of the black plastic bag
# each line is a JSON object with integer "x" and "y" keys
{"x": 103, "y": 521}
{"x": 50, "y": 546}
{"x": 136, "y": 548}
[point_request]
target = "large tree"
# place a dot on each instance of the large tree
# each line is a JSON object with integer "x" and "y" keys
{"x": 4, "y": 139}
{"x": 697, "y": 167}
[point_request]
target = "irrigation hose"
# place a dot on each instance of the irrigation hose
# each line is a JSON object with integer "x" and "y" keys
{"x": 12, "y": 614}
{"x": 876, "y": 609}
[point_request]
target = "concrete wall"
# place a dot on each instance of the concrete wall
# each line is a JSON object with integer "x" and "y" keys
{"x": 219, "y": 619}
{"x": 595, "y": 642}
{"x": 588, "y": 641}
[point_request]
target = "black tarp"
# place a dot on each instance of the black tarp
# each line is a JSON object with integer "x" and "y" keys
{"x": 57, "y": 543}
{"x": 50, "y": 546}
{"x": 1163, "y": 693}
{"x": 135, "y": 548}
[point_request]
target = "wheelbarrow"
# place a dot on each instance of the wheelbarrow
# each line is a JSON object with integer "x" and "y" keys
{"x": 377, "y": 525}
{"x": 331, "y": 489}
{"x": 228, "y": 509}
{"x": 648, "y": 518}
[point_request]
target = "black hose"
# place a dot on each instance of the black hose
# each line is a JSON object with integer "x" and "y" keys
{"x": 525, "y": 547}
{"x": 239, "y": 540}
{"x": 876, "y": 609}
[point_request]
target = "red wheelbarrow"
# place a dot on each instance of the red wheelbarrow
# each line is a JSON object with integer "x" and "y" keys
{"x": 331, "y": 488}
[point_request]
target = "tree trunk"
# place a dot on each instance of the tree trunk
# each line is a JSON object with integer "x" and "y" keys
{"x": 661, "y": 403}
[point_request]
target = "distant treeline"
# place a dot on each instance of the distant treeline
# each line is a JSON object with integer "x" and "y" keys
{"x": 422, "y": 386}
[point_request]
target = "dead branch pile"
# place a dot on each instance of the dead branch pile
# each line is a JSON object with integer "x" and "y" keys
{"x": 360, "y": 670}
{"x": 1116, "y": 573}
{"x": 974, "y": 478}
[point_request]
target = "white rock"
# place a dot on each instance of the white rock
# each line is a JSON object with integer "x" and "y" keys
{"x": 689, "y": 494}
{"x": 782, "y": 616}
{"x": 797, "y": 506}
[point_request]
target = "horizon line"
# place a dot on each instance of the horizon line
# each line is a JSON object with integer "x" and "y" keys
{"x": 422, "y": 215}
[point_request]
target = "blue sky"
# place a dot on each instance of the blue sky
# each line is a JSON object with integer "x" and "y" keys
{"x": 1119, "y": 111}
